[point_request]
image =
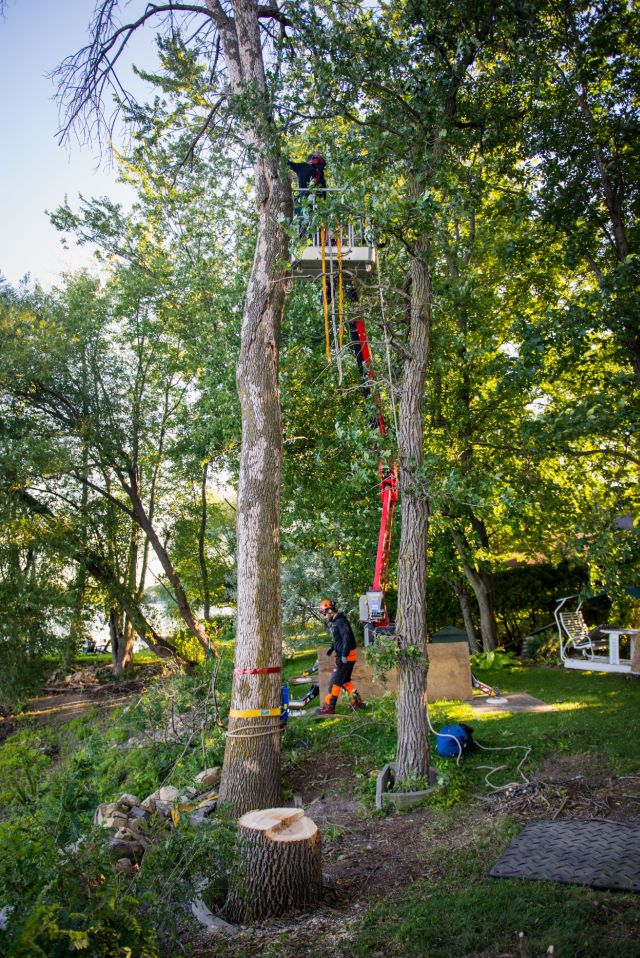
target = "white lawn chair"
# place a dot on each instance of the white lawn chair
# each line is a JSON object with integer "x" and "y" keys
{"x": 576, "y": 637}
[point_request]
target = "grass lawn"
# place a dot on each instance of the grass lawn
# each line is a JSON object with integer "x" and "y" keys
{"x": 410, "y": 885}
{"x": 455, "y": 910}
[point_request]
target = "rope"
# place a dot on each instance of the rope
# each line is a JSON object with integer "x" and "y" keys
{"x": 340, "y": 290}
{"x": 383, "y": 314}
{"x": 325, "y": 302}
{"x": 240, "y": 732}
{"x": 499, "y": 768}
{"x": 333, "y": 315}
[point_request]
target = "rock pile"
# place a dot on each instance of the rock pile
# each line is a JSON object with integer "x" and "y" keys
{"x": 131, "y": 821}
{"x": 177, "y": 730}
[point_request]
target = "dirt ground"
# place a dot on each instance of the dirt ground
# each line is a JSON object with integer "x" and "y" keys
{"x": 366, "y": 857}
{"x": 63, "y": 704}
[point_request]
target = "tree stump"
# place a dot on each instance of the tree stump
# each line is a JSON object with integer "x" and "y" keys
{"x": 278, "y": 865}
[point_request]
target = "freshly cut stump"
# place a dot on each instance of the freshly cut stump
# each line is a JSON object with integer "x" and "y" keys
{"x": 278, "y": 867}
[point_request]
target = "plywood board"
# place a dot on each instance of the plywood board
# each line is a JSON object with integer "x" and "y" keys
{"x": 449, "y": 675}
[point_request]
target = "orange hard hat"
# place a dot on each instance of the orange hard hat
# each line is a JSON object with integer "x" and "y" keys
{"x": 327, "y": 604}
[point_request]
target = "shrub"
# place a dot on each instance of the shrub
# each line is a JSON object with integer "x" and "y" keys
{"x": 497, "y": 659}
{"x": 543, "y": 647}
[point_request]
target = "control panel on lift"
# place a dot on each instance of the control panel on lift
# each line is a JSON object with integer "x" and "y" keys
{"x": 373, "y": 616}
{"x": 335, "y": 246}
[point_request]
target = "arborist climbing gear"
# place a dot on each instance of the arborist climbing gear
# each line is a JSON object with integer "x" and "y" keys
{"x": 325, "y": 298}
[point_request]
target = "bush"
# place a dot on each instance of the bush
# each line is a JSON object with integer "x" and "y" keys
{"x": 543, "y": 647}
{"x": 56, "y": 870}
{"x": 497, "y": 659}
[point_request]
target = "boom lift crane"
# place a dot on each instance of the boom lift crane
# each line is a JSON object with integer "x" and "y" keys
{"x": 331, "y": 254}
{"x": 334, "y": 251}
{"x": 373, "y": 609}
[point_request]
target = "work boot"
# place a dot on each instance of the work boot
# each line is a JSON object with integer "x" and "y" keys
{"x": 326, "y": 709}
{"x": 356, "y": 701}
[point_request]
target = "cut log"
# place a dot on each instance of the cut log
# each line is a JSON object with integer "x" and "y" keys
{"x": 278, "y": 867}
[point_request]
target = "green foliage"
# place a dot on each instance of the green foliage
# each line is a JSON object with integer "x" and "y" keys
{"x": 24, "y": 760}
{"x": 385, "y": 654}
{"x": 543, "y": 647}
{"x": 495, "y": 659}
{"x": 105, "y": 926}
{"x": 56, "y": 872}
{"x": 189, "y": 858}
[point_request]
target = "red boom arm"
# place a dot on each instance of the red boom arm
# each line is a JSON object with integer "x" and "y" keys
{"x": 389, "y": 477}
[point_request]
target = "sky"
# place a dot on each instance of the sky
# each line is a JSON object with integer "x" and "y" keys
{"x": 36, "y": 173}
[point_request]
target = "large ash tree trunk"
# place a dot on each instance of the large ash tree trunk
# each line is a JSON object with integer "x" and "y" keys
{"x": 251, "y": 771}
{"x": 412, "y": 757}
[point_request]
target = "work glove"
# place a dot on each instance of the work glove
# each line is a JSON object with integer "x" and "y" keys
{"x": 330, "y": 651}
{"x": 344, "y": 660}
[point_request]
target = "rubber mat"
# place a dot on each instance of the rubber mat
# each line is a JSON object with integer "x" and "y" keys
{"x": 596, "y": 853}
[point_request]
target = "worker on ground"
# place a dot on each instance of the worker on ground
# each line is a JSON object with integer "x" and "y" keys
{"x": 310, "y": 176}
{"x": 344, "y": 646}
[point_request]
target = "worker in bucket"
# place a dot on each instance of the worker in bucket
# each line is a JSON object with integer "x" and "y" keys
{"x": 344, "y": 646}
{"x": 313, "y": 169}
{"x": 310, "y": 176}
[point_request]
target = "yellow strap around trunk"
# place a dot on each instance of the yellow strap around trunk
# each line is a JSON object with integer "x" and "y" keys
{"x": 253, "y": 713}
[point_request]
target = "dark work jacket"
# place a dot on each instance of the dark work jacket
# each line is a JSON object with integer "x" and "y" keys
{"x": 306, "y": 175}
{"x": 342, "y": 636}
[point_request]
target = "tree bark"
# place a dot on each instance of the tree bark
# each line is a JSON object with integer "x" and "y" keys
{"x": 467, "y": 618}
{"x": 278, "y": 865}
{"x": 251, "y": 770}
{"x": 202, "y": 557}
{"x": 482, "y": 584}
{"x": 412, "y": 759}
{"x": 122, "y": 639}
{"x": 635, "y": 658}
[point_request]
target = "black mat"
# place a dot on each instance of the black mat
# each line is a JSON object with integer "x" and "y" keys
{"x": 596, "y": 853}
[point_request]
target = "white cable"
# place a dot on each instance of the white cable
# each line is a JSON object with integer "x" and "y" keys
{"x": 499, "y": 768}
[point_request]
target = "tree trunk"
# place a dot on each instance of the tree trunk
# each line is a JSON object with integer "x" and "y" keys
{"x": 179, "y": 594}
{"x": 481, "y": 581}
{"x": 278, "y": 865}
{"x": 251, "y": 770}
{"x": 122, "y": 639}
{"x": 467, "y": 618}
{"x": 412, "y": 759}
{"x": 482, "y": 584}
{"x": 77, "y": 623}
{"x": 202, "y": 557}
